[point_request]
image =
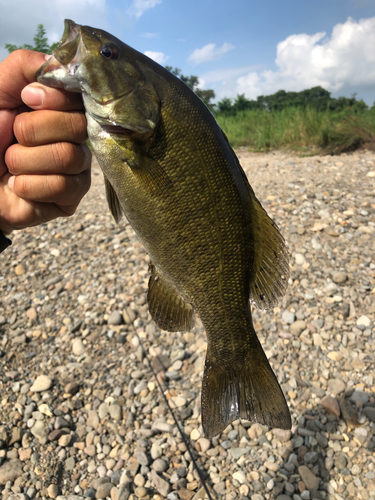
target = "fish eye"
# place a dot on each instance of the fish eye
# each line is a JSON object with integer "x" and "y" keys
{"x": 109, "y": 51}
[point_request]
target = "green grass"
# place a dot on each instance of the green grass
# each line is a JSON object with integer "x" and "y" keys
{"x": 303, "y": 130}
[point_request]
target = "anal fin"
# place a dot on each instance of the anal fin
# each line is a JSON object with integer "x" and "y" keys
{"x": 169, "y": 310}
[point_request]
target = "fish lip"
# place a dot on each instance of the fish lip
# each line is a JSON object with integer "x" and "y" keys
{"x": 112, "y": 127}
{"x": 70, "y": 28}
{"x": 65, "y": 61}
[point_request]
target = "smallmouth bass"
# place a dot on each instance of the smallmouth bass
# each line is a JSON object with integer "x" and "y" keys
{"x": 170, "y": 169}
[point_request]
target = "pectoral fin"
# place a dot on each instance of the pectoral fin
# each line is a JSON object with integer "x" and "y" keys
{"x": 113, "y": 201}
{"x": 168, "y": 308}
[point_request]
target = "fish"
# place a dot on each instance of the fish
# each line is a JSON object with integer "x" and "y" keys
{"x": 214, "y": 251}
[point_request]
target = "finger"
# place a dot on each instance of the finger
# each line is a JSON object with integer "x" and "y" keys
{"x": 65, "y": 191}
{"x": 17, "y": 213}
{"x": 17, "y": 71}
{"x": 58, "y": 158}
{"x": 38, "y": 96}
{"x": 45, "y": 127}
{"x": 7, "y": 118}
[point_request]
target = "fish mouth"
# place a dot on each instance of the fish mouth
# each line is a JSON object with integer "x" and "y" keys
{"x": 60, "y": 70}
{"x": 113, "y": 127}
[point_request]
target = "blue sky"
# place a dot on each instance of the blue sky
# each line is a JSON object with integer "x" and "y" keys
{"x": 234, "y": 46}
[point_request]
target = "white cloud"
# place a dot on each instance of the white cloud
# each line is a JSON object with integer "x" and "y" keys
{"x": 209, "y": 53}
{"x": 346, "y": 59}
{"x": 150, "y": 35}
{"x": 139, "y": 7}
{"x": 158, "y": 57}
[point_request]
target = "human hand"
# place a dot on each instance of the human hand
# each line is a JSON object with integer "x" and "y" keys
{"x": 46, "y": 173}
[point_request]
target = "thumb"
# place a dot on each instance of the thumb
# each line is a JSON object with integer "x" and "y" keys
{"x": 38, "y": 96}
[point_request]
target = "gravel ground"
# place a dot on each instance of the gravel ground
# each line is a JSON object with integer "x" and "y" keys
{"x": 80, "y": 412}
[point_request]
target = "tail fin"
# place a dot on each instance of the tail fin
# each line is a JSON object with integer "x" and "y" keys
{"x": 245, "y": 389}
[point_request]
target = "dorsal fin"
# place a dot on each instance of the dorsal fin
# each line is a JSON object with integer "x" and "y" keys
{"x": 271, "y": 260}
{"x": 270, "y": 275}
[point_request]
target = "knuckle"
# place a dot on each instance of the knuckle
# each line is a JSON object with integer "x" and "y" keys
{"x": 13, "y": 160}
{"x": 77, "y": 126}
{"x": 63, "y": 155}
{"x": 22, "y": 187}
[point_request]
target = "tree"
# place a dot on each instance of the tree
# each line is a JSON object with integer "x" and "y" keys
{"x": 40, "y": 43}
{"x": 192, "y": 81}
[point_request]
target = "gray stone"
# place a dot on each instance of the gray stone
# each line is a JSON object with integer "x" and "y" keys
{"x": 115, "y": 411}
{"x": 160, "y": 484}
{"x": 220, "y": 488}
{"x": 308, "y": 477}
{"x": 70, "y": 463}
{"x": 103, "y": 411}
{"x": 339, "y": 277}
{"x": 341, "y": 461}
{"x": 142, "y": 458}
{"x": 336, "y": 386}
{"x": 61, "y": 422}
{"x": 370, "y": 413}
{"x": 359, "y": 397}
{"x": 104, "y": 490}
{"x": 236, "y": 453}
{"x": 10, "y": 471}
{"x": 39, "y": 430}
{"x": 288, "y": 317}
{"x": 160, "y": 465}
{"x": 115, "y": 318}
{"x": 311, "y": 457}
{"x": 93, "y": 419}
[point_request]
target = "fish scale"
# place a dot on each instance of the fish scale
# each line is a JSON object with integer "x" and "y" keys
{"x": 170, "y": 169}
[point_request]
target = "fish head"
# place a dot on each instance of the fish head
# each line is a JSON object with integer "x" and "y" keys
{"x": 107, "y": 73}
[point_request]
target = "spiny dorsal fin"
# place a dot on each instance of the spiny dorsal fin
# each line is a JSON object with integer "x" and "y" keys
{"x": 168, "y": 309}
{"x": 113, "y": 202}
{"x": 271, "y": 258}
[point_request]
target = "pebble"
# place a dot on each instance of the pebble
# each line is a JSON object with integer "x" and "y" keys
{"x": 331, "y": 405}
{"x": 336, "y": 386}
{"x": 339, "y": 277}
{"x": 308, "y": 477}
{"x": 115, "y": 318}
{"x": 162, "y": 486}
{"x": 297, "y": 327}
{"x": 103, "y": 418}
{"x": 288, "y": 317}
{"x": 78, "y": 347}
{"x": 41, "y": 383}
{"x": 19, "y": 270}
{"x": 103, "y": 490}
{"x": 10, "y": 471}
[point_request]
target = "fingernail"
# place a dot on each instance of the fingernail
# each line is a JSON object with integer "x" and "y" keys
{"x": 33, "y": 96}
{"x": 11, "y": 182}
